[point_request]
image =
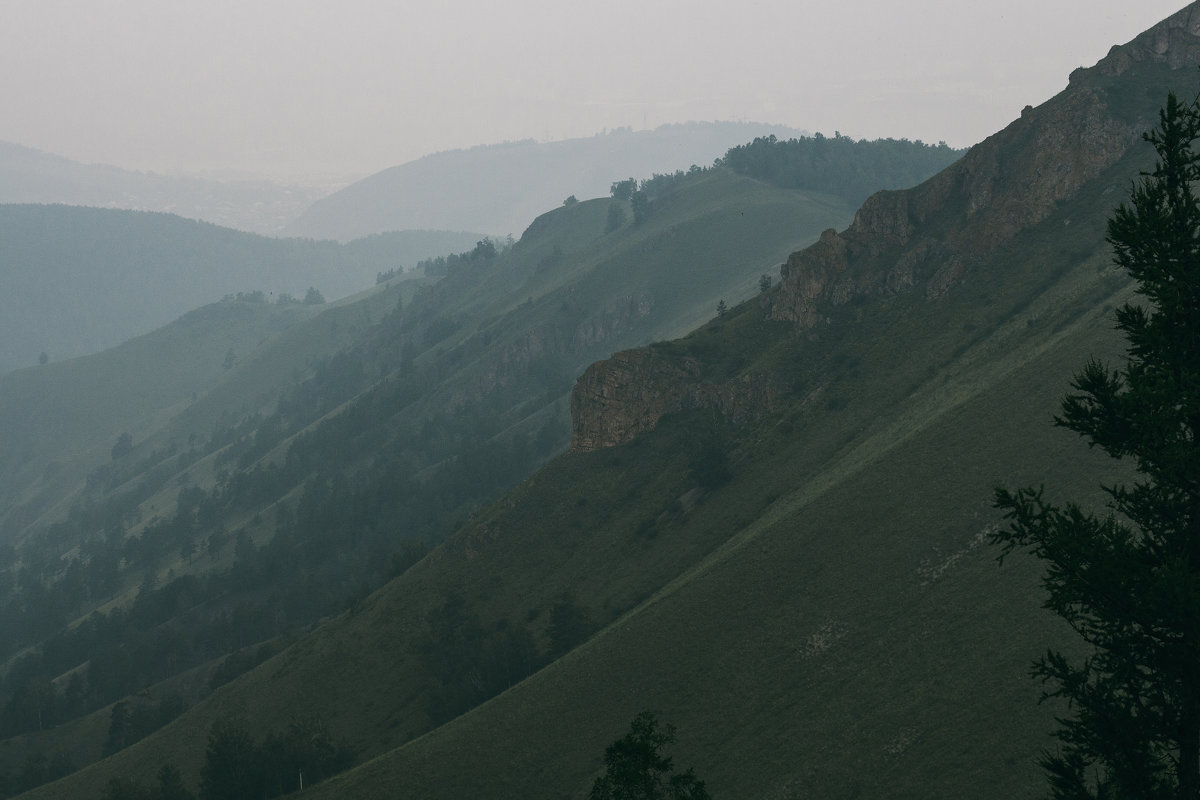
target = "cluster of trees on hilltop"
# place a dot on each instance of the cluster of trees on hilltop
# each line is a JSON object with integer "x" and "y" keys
{"x": 642, "y": 196}
{"x": 846, "y": 167}
{"x": 485, "y": 250}
{"x": 851, "y": 168}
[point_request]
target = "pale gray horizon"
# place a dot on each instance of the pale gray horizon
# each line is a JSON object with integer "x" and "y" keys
{"x": 309, "y": 91}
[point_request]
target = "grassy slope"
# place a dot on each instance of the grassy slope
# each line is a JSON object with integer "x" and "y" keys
{"x": 64, "y": 417}
{"x": 745, "y": 620}
{"x": 711, "y": 240}
{"x": 853, "y": 636}
{"x": 842, "y": 647}
{"x": 608, "y": 269}
{"x": 829, "y": 623}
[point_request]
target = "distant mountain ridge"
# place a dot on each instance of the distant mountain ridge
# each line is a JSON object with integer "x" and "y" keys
{"x": 772, "y": 530}
{"x": 79, "y": 280}
{"x": 500, "y": 188}
{"x": 28, "y": 175}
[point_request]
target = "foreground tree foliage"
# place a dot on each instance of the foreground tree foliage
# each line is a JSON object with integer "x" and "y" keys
{"x": 636, "y": 769}
{"x": 1128, "y": 581}
{"x": 237, "y": 768}
{"x": 169, "y": 787}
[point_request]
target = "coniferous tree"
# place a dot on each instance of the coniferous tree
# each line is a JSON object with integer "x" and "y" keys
{"x": 1128, "y": 581}
{"x": 637, "y": 769}
{"x": 233, "y": 768}
{"x": 170, "y": 785}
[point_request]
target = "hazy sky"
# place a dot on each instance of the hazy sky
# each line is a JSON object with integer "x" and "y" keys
{"x": 312, "y": 88}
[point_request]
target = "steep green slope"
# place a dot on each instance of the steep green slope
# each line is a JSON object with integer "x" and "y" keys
{"x": 289, "y": 483}
{"x": 777, "y": 522}
{"x": 826, "y": 617}
{"x": 851, "y": 629}
{"x": 855, "y": 641}
{"x": 59, "y": 420}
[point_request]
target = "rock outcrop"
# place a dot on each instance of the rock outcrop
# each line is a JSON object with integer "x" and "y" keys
{"x": 627, "y": 394}
{"x": 922, "y": 239}
{"x": 927, "y": 236}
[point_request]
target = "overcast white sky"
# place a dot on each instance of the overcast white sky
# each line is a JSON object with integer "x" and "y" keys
{"x": 309, "y": 88}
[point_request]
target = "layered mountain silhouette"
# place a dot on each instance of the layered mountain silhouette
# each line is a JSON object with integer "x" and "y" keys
{"x": 32, "y": 176}
{"x": 765, "y": 520}
{"x": 500, "y": 188}
{"x": 83, "y": 279}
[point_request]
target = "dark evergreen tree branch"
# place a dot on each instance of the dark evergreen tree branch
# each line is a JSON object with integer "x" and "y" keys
{"x": 1128, "y": 582}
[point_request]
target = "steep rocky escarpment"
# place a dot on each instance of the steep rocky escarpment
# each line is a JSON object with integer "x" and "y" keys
{"x": 923, "y": 239}
{"x": 1175, "y": 42}
{"x": 926, "y": 237}
{"x": 627, "y": 394}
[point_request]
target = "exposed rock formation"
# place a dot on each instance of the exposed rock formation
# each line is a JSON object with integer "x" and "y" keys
{"x": 623, "y": 396}
{"x": 1175, "y": 42}
{"x": 1008, "y": 182}
{"x": 925, "y": 238}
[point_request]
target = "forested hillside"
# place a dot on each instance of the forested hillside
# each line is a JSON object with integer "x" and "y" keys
{"x": 771, "y": 530}
{"x": 780, "y": 522}
{"x": 203, "y": 530}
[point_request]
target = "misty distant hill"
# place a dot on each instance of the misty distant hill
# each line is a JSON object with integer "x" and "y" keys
{"x": 80, "y": 280}
{"x": 772, "y": 530}
{"x": 31, "y": 176}
{"x": 500, "y": 188}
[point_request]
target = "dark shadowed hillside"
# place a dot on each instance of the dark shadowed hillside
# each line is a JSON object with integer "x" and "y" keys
{"x": 277, "y": 484}
{"x": 766, "y": 518}
{"x": 771, "y": 531}
{"x": 834, "y": 624}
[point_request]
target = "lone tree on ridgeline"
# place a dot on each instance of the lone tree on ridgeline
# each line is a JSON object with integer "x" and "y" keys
{"x": 1128, "y": 580}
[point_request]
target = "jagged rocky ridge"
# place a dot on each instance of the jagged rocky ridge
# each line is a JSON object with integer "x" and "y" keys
{"x": 924, "y": 239}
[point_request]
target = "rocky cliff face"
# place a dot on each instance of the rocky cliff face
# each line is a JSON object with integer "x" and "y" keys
{"x": 627, "y": 394}
{"x": 1172, "y": 42}
{"x": 922, "y": 239}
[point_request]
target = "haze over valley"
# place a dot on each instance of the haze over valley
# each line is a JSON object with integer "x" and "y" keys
{"x": 371, "y": 444}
